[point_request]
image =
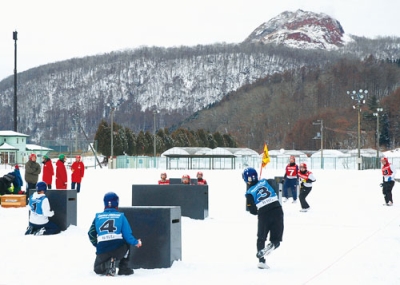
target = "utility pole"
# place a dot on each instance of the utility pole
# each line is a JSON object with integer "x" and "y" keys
{"x": 15, "y": 38}
{"x": 321, "y": 137}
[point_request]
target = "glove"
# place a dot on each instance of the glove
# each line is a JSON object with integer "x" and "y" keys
{"x": 282, "y": 181}
{"x": 302, "y": 185}
{"x": 381, "y": 184}
{"x": 51, "y": 213}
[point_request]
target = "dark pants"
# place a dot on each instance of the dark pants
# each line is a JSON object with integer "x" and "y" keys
{"x": 304, "y": 191}
{"x": 51, "y": 228}
{"x": 78, "y": 186}
{"x": 387, "y": 191}
{"x": 28, "y": 187}
{"x": 102, "y": 261}
{"x": 292, "y": 184}
{"x": 269, "y": 222}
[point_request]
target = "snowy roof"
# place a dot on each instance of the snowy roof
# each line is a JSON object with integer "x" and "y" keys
{"x": 283, "y": 152}
{"x": 34, "y": 147}
{"x": 11, "y": 134}
{"x": 234, "y": 151}
{"x": 6, "y": 146}
{"x": 187, "y": 151}
{"x": 330, "y": 153}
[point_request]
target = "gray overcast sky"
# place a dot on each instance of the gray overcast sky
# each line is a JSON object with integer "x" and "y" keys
{"x": 49, "y": 31}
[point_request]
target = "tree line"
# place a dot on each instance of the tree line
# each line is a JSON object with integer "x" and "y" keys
{"x": 125, "y": 141}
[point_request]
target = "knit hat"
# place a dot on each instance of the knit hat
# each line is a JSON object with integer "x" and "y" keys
{"x": 41, "y": 186}
{"x": 32, "y": 156}
{"x": 16, "y": 166}
{"x": 61, "y": 156}
{"x": 45, "y": 157}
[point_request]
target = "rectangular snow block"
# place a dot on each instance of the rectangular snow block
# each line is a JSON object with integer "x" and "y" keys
{"x": 64, "y": 205}
{"x": 193, "y": 199}
{"x": 159, "y": 228}
{"x": 15, "y": 201}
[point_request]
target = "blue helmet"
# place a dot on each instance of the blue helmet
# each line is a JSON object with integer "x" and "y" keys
{"x": 111, "y": 200}
{"x": 250, "y": 175}
{"x": 41, "y": 186}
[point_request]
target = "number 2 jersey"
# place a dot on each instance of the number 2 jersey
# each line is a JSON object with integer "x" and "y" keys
{"x": 110, "y": 230}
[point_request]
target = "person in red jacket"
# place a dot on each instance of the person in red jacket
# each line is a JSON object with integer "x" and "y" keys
{"x": 48, "y": 171}
{"x": 78, "y": 170}
{"x": 61, "y": 173}
{"x": 163, "y": 180}
{"x": 200, "y": 180}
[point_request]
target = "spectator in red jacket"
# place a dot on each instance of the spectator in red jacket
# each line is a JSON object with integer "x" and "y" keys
{"x": 48, "y": 171}
{"x": 163, "y": 180}
{"x": 61, "y": 173}
{"x": 78, "y": 170}
{"x": 200, "y": 180}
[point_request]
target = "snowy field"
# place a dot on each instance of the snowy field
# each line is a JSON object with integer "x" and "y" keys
{"x": 348, "y": 236}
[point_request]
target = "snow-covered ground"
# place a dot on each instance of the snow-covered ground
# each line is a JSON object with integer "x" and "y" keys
{"x": 348, "y": 237}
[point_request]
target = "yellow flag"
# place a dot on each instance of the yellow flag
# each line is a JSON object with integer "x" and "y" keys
{"x": 265, "y": 158}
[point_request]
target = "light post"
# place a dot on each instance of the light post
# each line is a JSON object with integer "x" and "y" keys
{"x": 359, "y": 97}
{"x": 15, "y": 38}
{"x": 113, "y": 107}
{"x": 321, "y": 137}
{"x": 378, "y": 110}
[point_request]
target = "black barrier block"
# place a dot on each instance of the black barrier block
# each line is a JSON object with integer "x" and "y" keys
{"x": 193, "y": 199}
{"x": 193, "y": 181}
{"x": 159, "y": 228}
{"x": 64, "y": 205}
{"x": 278, "y": 180}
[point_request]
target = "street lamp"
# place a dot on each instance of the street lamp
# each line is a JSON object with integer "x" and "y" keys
{"x": 15, "y": 38}
{"x": 378, "y": 110}
{"x": 154, "y": 134}
{"x": 359, "y": 97}
{"x": 321, "y": 137}
{"x": 113, "y": 107}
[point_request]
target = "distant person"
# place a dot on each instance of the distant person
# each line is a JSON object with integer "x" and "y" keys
{"x": 262, "y": 200}
{"x": 78, "y": 170}
{"x": 17, "y": 182}
{"x": 290, "y": 179}
{"x": 61, "y": 173}
{"x": 39, "y": 213}
{"x": 306, "y": 179}
{"x": 32, "y": 171}
{"x": 200, "y": 180}
{"x": 163, "y": 179}
{"x": 48, "y": 171}
{"x": 185, "y": 179}
{"x": 111, "y": 234}
{"x": 388, "y": 174}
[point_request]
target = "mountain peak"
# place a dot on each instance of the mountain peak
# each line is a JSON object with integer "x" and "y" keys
{"x": 300, "y": 29}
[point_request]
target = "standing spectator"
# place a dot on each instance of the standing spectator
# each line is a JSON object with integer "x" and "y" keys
{"x": 78, "y": 170}
{"x": 61, "y": 173}
{"x": 185, "y": 179}
{"x": 32, "y": 171}
{"x": 306, "y": 178}
{"x": 388, "y": 174}
{"x": 111, "y": 234}
{"x": 40, "y": 211}
{"x": 48, "y": 171}
{"x": 290, "y": 179}
{"x": 200, "y": 180}
{"x": 163, "y": 180}
{"x": 262, "y": 200}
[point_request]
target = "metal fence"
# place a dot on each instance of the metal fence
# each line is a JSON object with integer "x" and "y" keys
{"x": 350, "y": 163}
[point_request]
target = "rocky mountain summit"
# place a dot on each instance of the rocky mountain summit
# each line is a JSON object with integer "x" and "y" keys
{"x": 301, "y": 29}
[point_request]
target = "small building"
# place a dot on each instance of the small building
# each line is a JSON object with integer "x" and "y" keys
{"x": 15, "y": 150}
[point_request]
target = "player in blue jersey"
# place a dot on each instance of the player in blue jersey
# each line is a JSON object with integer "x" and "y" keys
{"x": 111, "y": 234}
{"x": 40, "y": 211}
{"x": 262, "y": 200}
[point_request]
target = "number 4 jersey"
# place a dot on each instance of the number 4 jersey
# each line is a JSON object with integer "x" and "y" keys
{"x": 110, "y": 230}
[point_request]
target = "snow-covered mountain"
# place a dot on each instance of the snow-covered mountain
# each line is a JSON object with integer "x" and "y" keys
{"x": 176, "y": 82}
{"x": 301, "y": 29}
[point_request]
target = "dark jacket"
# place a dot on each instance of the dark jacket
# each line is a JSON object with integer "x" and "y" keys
{"x": 32, "y": 171}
